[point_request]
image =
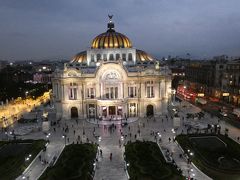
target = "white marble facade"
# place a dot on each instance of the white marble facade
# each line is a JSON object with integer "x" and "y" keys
{"x": 106, "y": 81}
{"x": 110, "y": 91}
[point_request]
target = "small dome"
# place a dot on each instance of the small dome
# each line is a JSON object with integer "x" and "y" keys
{"x": 80, "y": 57}
{"x": 143, "y": 56}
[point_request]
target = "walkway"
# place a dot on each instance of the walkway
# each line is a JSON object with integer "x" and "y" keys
{"x": 114, "y": 170}
{"x": 108, "y": 122}
{"x": 111, "y": 169}
{"x": 36, "y": 168}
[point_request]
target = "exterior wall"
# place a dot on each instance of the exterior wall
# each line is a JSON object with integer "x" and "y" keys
{"x": 114, "y": 74}
{"x": 113, "y": 51}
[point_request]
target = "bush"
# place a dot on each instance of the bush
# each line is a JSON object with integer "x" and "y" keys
{"x": 75, "y": 162}
{"x": 147, "y": 162}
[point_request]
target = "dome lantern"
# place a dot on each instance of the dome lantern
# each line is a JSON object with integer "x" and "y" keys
{"x": 110, "y": 24}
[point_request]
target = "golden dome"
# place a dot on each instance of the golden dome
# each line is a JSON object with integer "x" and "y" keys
{"x": 80, "y": 57}
{"x": 111, "y": 39}
{"x": 143, "y": 56}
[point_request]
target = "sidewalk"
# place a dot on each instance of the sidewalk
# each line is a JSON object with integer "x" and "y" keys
{"x": 111, "y": 169}
{"x": 36, "y": 168}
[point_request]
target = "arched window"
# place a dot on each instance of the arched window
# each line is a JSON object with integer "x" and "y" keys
{"x": 104, "y": 57}
{"x": 117, "y": 56}
{"x": 149, "y": 89}
{"x": 92, "y": 58}
{"x": 124, "y": 57}
{"x": 130, "y": 57}
{"x": 98, "y": 57}
{"x": 73, "y": 91}
{"x": 111, "y": 58}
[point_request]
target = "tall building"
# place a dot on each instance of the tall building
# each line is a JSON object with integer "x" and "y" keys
{"x": 205, "y": 76}
{"x": 112, "y": 79}
{"x": 231, "y": 83}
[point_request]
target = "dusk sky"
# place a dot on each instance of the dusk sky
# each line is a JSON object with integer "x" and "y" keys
{"x": 57, "y": 29}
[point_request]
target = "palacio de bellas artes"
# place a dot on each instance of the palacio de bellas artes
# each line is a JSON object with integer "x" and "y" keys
{"x": 111, "y": 80}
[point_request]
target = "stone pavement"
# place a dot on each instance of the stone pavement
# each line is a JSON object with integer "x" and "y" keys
{"x": 36, "y": 168}
{"x": 111, "y": 170}
{"x": 165, "y": 129}
{"x": 108, "y": 122}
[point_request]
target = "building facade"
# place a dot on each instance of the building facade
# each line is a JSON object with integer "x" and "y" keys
{"x": 111, "y": 80}
{"x": 231, "y": 83}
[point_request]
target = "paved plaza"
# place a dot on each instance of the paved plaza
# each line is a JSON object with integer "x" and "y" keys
{"x": 112, "y": 140}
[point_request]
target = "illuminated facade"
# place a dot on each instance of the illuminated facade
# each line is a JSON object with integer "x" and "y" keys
{"x": 111, "y": 80}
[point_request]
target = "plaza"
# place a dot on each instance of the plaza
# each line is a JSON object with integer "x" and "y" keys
{"x": 112, "y": 140}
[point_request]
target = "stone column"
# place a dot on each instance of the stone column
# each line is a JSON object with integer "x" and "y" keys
{"x": 63, "y": 92}
{"x": 107, "y": 111}
{"x": 123, "y": 95}
{"x": 121, "y": 91}
{"x": 155, "y": 89}
{"x": 125, "y": 89}
{"x": 59, "y": 91}
{"x": 159, "y": 89}
{"x": 143, "y": 90}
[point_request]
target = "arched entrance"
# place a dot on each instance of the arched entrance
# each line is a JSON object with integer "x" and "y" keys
{"x": 74, "y": 112}
{"x": 150, "y": 110}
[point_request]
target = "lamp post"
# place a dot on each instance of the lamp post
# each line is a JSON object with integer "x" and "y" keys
{"x": 83, "y": 126}
{"x": 139, "y": 90}
{"x": 82, "y": 100}
{"x": 122, "y": 139}
{"x": 27, "y": 159}
{"x": 184, "y": 91}
{"x": 64, "y": 137}
{"x": 47, "y": 137}
{"x": 26, "y": 94}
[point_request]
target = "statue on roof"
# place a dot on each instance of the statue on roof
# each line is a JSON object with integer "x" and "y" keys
{"x": 110, "y": 24}
{"x": 110, "y": 17}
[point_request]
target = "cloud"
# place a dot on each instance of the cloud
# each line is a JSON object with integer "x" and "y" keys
{"x": 60, "y": 28}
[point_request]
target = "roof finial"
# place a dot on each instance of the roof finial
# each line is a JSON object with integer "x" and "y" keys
{"x": 110, "y": 24}
{"x": 110, "y": 17}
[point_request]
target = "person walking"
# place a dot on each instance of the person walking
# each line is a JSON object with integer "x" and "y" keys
{"x": 110, "y": 157}
{"x": 101, "y": 153}
{"x": 119, "y": 143}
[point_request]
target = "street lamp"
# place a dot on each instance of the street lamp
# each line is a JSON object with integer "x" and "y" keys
{"x": 47, "y": 137}
{"x": 64, "y": 136}
{"x": 122, "y": 139}
{"x": 28, "y": 158}
{"x": 26, "y": 94}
